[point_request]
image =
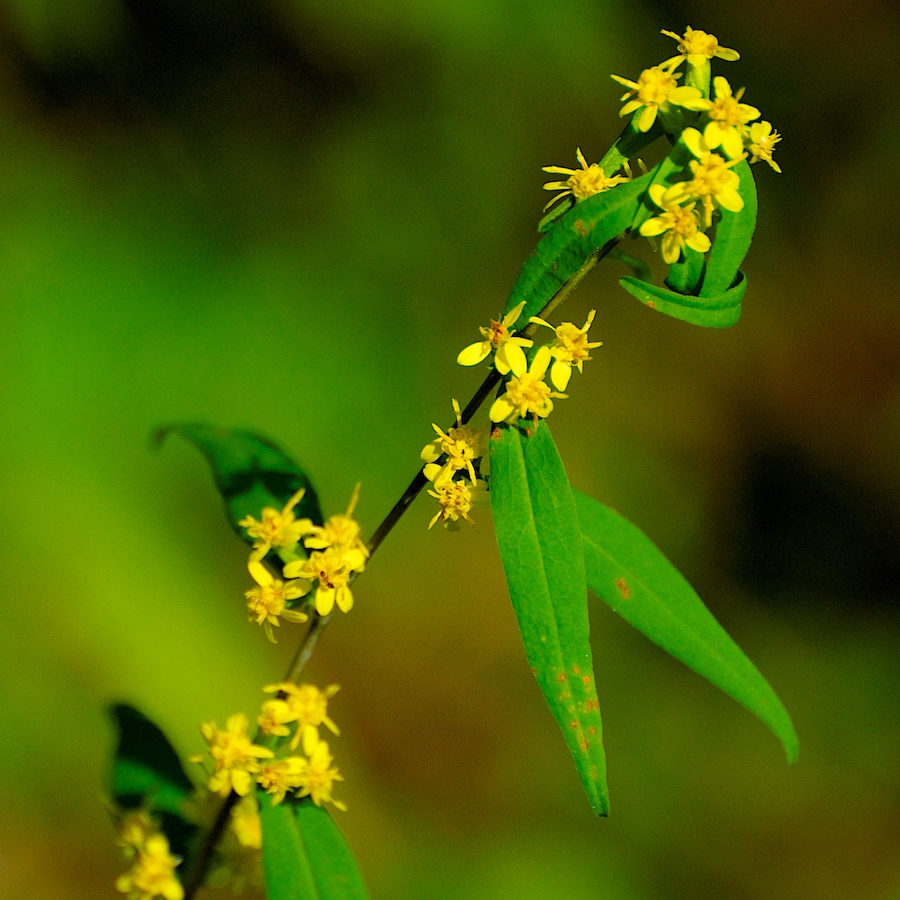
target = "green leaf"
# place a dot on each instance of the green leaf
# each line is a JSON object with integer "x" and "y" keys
{"x": 540, "y": 546}
{"x": 146, "y": 769}
{"x": 734, "y": 232}
{"x": 286, "y": 863}
{"x": 628, "y": 572}
{"x": 568, "y": 244}
{"x": 305, "y": 856}
{"x": 335, "y": 869}
{"x": 685, "y": 276}
{"x": 719, "y": 311}
{"x": 250, "y": 472}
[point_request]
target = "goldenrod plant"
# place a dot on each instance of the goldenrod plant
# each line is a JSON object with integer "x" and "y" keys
{"x": 257, "y": 805}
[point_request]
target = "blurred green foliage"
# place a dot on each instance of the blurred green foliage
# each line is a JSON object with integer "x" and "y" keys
{"x": 290, "y": 216}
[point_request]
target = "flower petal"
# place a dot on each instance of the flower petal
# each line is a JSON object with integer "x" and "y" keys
{"x": 474, "y": 353}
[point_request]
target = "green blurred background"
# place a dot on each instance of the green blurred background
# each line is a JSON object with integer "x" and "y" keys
{"x": 290, "y": 216}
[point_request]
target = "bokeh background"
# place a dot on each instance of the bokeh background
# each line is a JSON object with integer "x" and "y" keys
{"x": 290, "y": 216}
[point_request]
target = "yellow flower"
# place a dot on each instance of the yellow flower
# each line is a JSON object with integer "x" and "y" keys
{"x": 153, "y": 873}
{"x": 462, "y": 444}
{"x": 234, "y": 755}
{"x": 728, "y": 118}
{"x": 309, "y": 709}
{"x": 761, "y": 141}
{"x": 134, "y": 829}
{"x": 697, "y": 47}
{"x": 498, "y": 337}
{"x": 318, "y": 777}
{"x": 656, "y": 91}
{"x": 276, "y": 528}
{"x": 280, "y": 776}
{"x": 332, "y": 568}
{"x": 275, "y": 717}
{"x": 267, "y": 601}
{"x": 581, "y": 183}
{"x": 714, "y": 183}
{"x": 245, "y": 823}
{"x": 569, "y": 349}
{"x": 456, "y": 499}
{"x": 679, "y": 225}
{"x": 526, "y": 393}
{"x": 339, "y": 531}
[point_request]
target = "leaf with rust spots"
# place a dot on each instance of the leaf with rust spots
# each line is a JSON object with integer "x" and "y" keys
{"x": 540, "y": 546}
{"x": 629, "y": 573}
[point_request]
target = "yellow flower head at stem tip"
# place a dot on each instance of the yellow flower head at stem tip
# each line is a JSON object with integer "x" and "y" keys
{"x": 267, "y": 601}
{"x": 678, "y": 224}
{"x": 728, "y": 118}
{"x": 235, "y": 756}
{"x": 497, "y": 337}
{"x": 309, "y": 709}
{"x": 276, "y": 528}
{"x": 760, "y": 142}
{"x": 462, "y": 444}
{"x": 153, "y": 873}
{"x": 656, "y": 91}
{"x": 697, "y": 47}
{"x": 456, "y": 499}
{"x": 318, "y": 777}
{"x": 526, "y": 393}
{"x": 245, "y": 823}
{"x": 569, "y": 349}
{"x": 581, "y": 183}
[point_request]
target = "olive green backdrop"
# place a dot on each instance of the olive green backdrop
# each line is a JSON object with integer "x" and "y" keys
{"x": 291, "y": 216}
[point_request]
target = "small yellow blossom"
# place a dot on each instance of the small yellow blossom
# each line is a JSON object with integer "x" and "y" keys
{"x": 234, "y": 755}
{"x": 679, "y": 225}
{"x": 656, "y": 91}
{"x": 581, "y": 183}
{"x": 318, "y": 777}
{"x": 569, "y": 349}
{"x": 728, "y": 118}
{"x": 267, "y": 601}
{"x": 760, "y": 141}
{"x": 276, "y": 528}
{"x": 697, "y": 47}
{"x": 497, "y": 337}
{"x": 153, "y": 873}
{"x": 456, "y": 499}
{"x": 332, "y": 568}
{"x": 275, "y": 717}
{"x": 339, "y": 531}
{"x": 134, "y": 829}
{"x": 714, "y": 183}
{"x": 245, "y": 823}
{"x": 526, "y": 393}
{"x": 278, "y": 776}
{"x": 463, "y": 444}
{"x": 308, "y": 707}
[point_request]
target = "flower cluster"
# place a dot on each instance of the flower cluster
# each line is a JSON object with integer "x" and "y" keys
{"x": 336, "y": 554}
{"x": 295, "y": 716}
{"x": 725, "y": 133}
{"x": 152, "y": 872}
{"x": 452, "y": 459}
{"x": 460, "y": 450}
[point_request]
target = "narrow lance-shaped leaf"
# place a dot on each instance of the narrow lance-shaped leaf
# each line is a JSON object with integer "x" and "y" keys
{"x": 628, "y": 572}
{"x": 250, "y": 471}
{"x": 540, "y": 546}
{"x": 305, "y": 856}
